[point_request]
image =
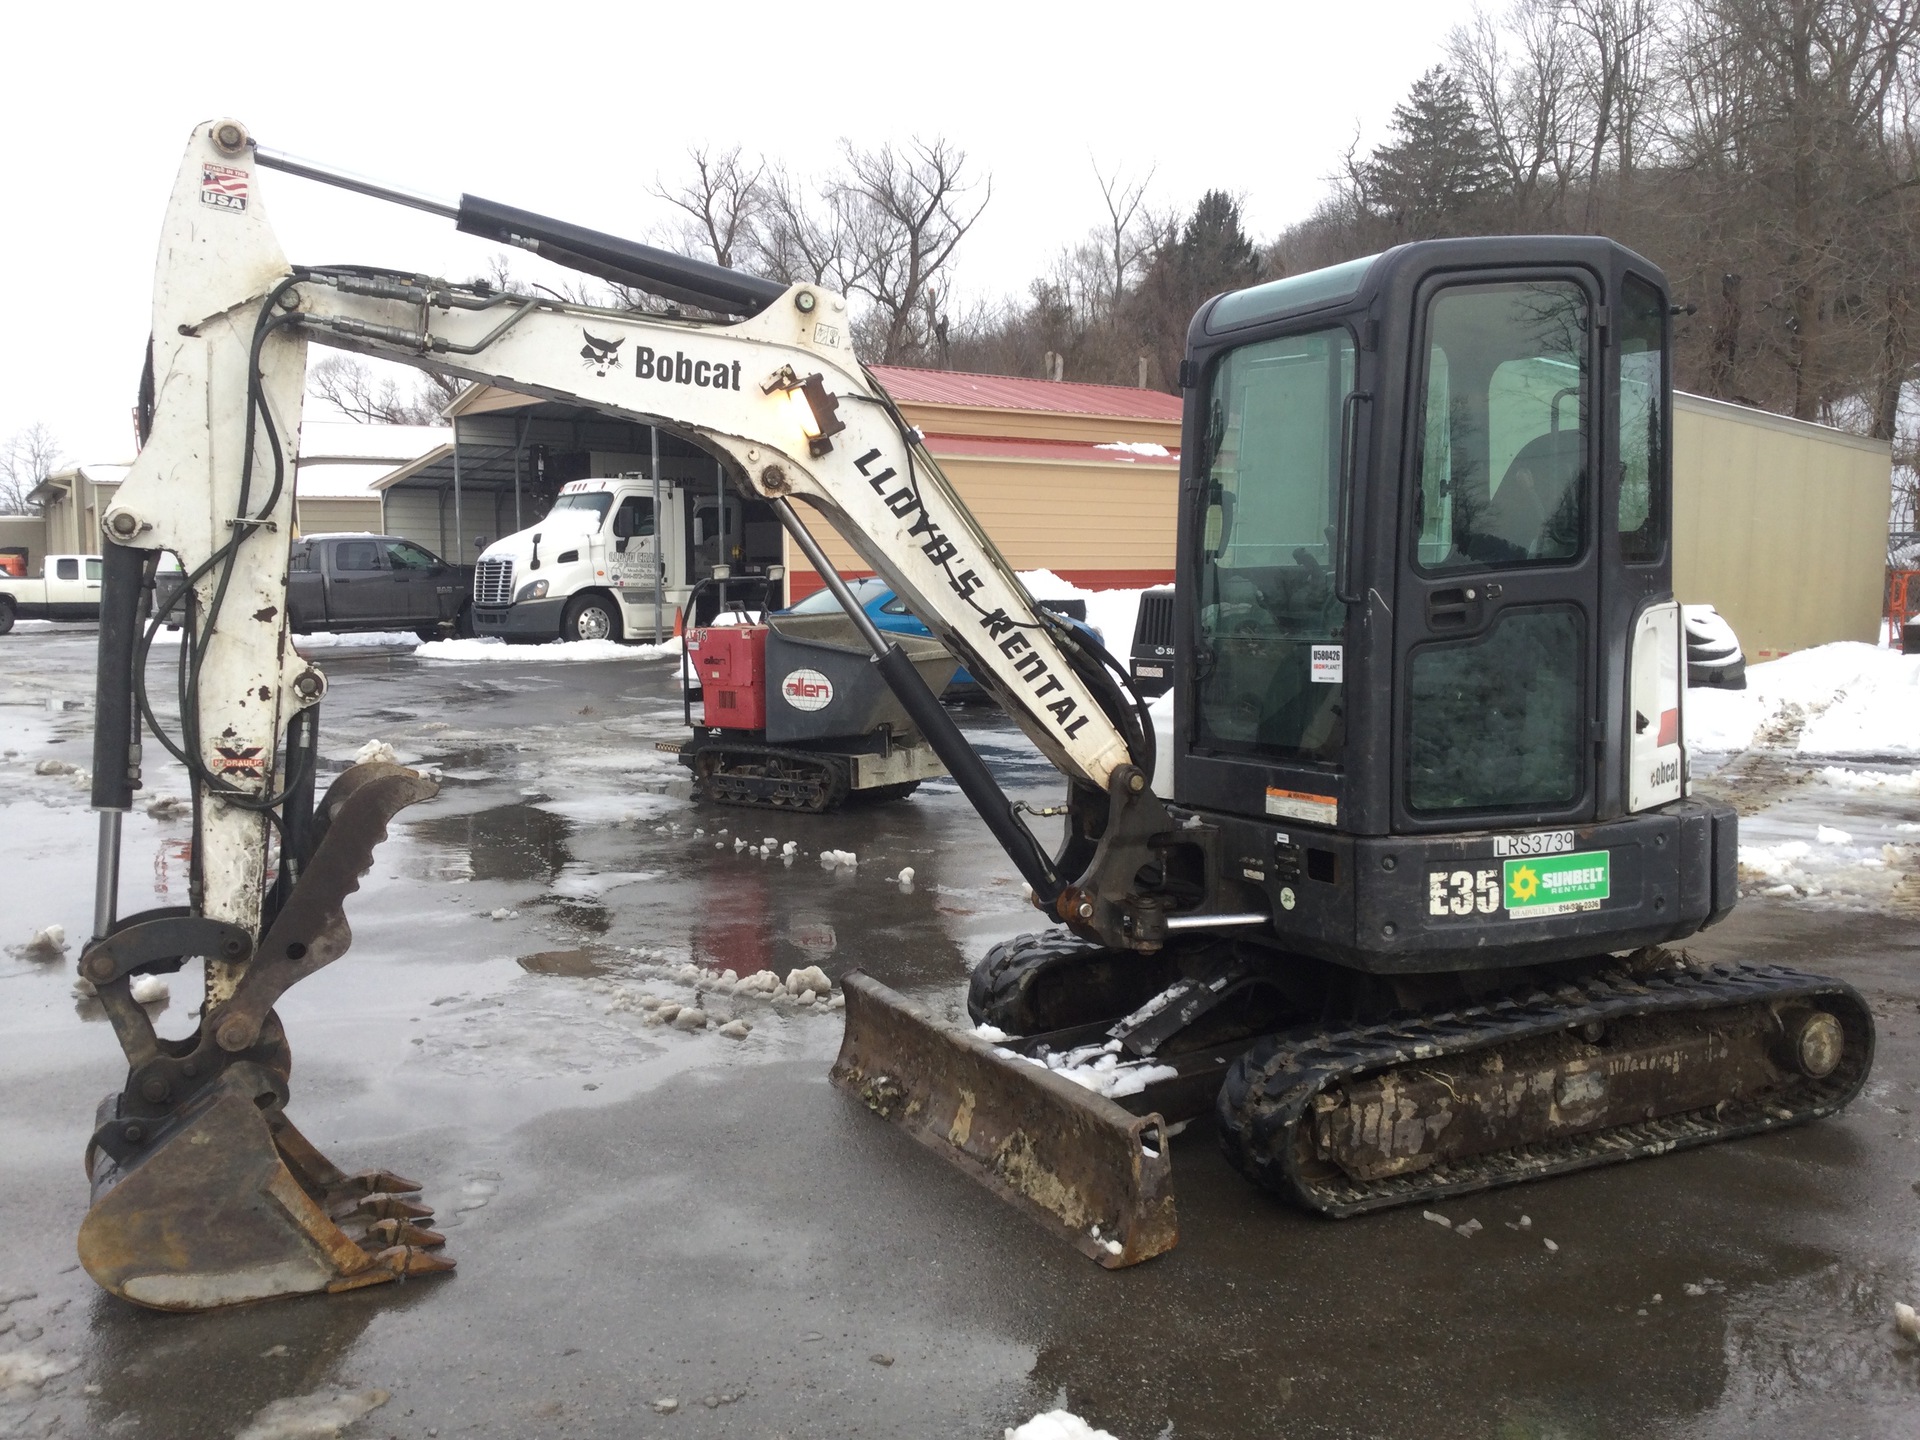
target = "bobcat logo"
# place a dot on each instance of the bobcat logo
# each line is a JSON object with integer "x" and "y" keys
{"x": 602, "y": 355}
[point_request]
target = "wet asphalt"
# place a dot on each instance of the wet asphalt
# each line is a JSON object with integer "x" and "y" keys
{"x": 642, "y": 1215}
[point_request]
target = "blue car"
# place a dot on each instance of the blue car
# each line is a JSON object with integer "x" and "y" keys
{"x": 890, "y": 614}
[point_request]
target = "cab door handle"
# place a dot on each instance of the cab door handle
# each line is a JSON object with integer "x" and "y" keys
{"x": 1454, "y": 609}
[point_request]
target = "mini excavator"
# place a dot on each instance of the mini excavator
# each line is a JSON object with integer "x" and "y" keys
{"x": 1401, "y": 926}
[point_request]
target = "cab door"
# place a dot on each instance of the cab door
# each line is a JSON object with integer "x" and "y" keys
{"x": 360, "y": 588}
{"x": 1496, "y": 633}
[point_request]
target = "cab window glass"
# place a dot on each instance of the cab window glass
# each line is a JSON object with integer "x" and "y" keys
{"x": 1643, "y": 461}
{"x": 1270, "y": 623}
{"x": 95, "y": 569}
{"x": 356, "y": 555}
{"x": 635, "y": 517}
{"x": 67, "y": 569}
{"x": 298, "y": 562}
{"x": 1503, "y": 476}
{"x": 405, "y": 555}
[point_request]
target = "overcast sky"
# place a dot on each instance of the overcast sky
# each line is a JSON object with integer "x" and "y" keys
{"x": 570, "y": 109}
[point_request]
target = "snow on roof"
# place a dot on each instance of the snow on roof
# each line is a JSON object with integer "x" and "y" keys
{"x": 1014, "y": 392}
{"x": 323, "y": 441}
{"x": 340, "y": 460}
{"x": 350, "y": 481}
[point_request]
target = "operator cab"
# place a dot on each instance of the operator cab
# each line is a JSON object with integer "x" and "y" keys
{"x": 1423, "y": 529}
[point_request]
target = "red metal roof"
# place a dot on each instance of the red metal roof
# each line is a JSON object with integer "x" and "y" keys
{"x": 1015, "y": 448}
{"x": 1014, "y": 392}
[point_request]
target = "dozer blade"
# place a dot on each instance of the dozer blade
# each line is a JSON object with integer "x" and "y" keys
{"x": 212, "y": 1214}
{"x": 1073, "y": 1160}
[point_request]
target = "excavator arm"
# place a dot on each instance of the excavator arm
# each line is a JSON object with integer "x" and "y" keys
{"x": 766, "y": 380}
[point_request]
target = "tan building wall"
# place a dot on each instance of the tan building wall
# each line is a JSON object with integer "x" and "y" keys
{"x": 1779, "y": 524}
{"x": 318, "y": 516}
{"x": 28, "y": 533}
{"x": 1097, "y": 525}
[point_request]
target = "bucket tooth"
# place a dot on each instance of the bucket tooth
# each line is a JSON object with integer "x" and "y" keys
{"x": 383, "y": 1235}
{"x": 1087, "y": 1170}
{"x": 382, "y": 1206}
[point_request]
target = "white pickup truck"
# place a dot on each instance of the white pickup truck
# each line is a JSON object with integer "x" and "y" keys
{"x": 68, "y": 588}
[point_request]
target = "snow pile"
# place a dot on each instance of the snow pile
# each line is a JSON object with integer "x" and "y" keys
{"x": 1098, "y": 1068}
{"x": 366, "y": 639}
{"x": 49, "y": 942}
{"x": 839, "y": 859}
{"x": 1872, "y": 782}
{"x": 313, "y": 1417}
{"x": 492, "y": 647}
{"x": 1057, "y": 1425}
{"x": 575, "y": 882}
{"x": 1111, "y": 612}
{"x": 1137, "y": 447}
{"x": 375, "y": 752}
{"x": 1844, "y": 699}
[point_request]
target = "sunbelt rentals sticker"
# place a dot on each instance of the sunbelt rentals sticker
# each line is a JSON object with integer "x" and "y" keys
{"x": 1543, "y": 885}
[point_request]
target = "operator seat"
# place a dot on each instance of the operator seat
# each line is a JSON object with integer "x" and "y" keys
{"x": 1536, "y": 511}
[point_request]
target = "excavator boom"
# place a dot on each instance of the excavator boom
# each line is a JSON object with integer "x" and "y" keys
{"x": 770, "y": 386}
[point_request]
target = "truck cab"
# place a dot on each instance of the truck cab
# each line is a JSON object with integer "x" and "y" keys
{"x": 603, "y": 564}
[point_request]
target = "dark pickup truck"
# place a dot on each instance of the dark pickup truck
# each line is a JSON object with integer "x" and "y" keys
{"x": 366, "y": 582}
{"x": 374, "y": 582}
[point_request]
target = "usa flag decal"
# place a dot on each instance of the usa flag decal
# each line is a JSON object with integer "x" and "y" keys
{"x": 223, "y": 187}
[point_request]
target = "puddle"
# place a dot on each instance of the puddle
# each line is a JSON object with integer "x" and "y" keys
{"x": 508, "y": 842}
{"x": 581, "y": 963}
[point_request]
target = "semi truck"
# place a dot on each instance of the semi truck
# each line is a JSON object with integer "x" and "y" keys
{"x": 616, "y": 557}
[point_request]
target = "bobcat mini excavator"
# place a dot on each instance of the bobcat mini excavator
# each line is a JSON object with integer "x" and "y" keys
{"x": 1398, "y": 926}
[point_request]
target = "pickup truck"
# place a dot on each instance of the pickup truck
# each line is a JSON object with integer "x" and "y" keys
{"x": 340, "y": 582}
{"x": 68, "y": 588}
{"x": 374, "y": 582}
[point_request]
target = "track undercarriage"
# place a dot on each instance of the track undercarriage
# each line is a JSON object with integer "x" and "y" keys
{"x": 1346, "y": 1093}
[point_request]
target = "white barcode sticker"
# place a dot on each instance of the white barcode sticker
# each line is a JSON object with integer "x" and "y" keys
{"x": 1329, "y": 664}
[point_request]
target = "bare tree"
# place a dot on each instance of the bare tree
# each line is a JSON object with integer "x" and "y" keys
{"x": 800, "y": 238}
{"x": 353, "y": 388}
{"x": 723, "y": 201}
{"x": 905, "y": 211}
{"x": 27, "y": 458}
{"x": 1130, "y": 234}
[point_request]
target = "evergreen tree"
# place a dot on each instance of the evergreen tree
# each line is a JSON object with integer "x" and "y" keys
{"x": 1440, "y": 163}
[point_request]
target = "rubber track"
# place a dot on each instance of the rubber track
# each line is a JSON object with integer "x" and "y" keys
{"x": 1272, "y": 1086}
{"x": 824, "y": 791}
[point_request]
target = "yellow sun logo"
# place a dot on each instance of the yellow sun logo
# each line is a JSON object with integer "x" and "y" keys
{"x": 1524, "y": 883}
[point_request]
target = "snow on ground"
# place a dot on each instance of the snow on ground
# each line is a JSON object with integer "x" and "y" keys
{"x": 492, "y": 647}
{"x": 1111, "y": 612}
{"x": 361, "y": 640}
{"x": 1057, "y": 1425}
{"x": 1848, "y": 698}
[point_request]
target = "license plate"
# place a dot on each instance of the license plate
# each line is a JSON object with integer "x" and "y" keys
{"x": 1539, "y": 842}
{"x": 1152, "y": 672}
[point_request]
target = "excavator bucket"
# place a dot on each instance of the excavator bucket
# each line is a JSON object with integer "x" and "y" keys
{"x": 1084, "y": 1168}
{"x": 204, "y": 1193}
{"x": 228, "y": 1211}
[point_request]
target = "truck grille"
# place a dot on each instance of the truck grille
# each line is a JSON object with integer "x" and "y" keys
{"x": 493, "y": 582}
{"x": 1153, "y": 631}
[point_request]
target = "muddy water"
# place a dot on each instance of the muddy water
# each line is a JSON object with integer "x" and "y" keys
{"x": 641, "y": 1214}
